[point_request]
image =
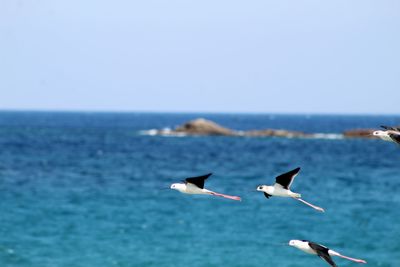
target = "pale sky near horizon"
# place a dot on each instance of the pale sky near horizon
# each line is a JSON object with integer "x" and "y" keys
{"x": 201, "y": 56}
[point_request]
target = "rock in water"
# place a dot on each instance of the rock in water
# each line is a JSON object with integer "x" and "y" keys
{"x": 276, "y": 133}
{"x": 206, "y": 127}
{"x": 203, "y": 127}
{"x": 365, "y": 133}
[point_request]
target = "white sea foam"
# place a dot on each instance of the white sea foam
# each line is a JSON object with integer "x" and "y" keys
{"x": 168, "y": 132}
{"x": 150, "y": 132}
{"x": 332, "y": 136}
{"x": 163, "y": 132}
{"x": 173, "y": 134}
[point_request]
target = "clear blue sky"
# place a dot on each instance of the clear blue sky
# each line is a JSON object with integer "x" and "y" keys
{"x": 215, "y": 56}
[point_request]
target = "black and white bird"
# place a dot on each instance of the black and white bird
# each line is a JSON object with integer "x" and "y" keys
{"x": 195, "y": 186}
{"x": 281, "y": 188}
{"x": 320, "y": 250}
{"x": 390, "y": 134}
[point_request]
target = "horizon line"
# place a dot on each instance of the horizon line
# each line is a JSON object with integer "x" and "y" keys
{"x": 183, "y": 112}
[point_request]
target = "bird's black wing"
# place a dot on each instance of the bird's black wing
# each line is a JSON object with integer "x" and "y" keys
{"x": 387, "y": 127}
{"x": 395, "y": 137}
{"x": 286, "y": 179}
{"x": 198, "y": 180}
{"x": 322, "y": 252}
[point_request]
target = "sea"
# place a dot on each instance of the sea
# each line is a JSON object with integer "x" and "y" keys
{"x": 87, "y": 189}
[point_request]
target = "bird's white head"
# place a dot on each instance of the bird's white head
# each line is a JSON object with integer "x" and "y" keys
{"x": 379, "y": 133}
{"x": 178, "y": 186}
{"x": 260, "y": 187}
{"x": 263, "y": 188}
{"x": 295, "y": 243}
{"x": 384, "y": 135}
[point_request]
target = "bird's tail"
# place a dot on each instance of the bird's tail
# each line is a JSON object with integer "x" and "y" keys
{"x": 226, "y": 196}
{"x": 334, "y": 253}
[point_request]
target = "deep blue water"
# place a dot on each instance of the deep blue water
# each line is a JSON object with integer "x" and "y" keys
{"x": 85, "y": 190}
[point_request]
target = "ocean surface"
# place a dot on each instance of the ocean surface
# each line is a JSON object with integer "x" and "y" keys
{"x": 87, "y": 190}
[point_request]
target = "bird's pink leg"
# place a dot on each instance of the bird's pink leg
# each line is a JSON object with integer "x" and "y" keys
{"x": 225, "y": 196}
{"x": 310, "y": 205}
{"x": 351, "y": 259}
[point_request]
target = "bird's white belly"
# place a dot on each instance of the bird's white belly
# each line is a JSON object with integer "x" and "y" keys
{"x": 306, "y": 248}
{"x": 193, "y": 190}
{"x": 280, "y": 192}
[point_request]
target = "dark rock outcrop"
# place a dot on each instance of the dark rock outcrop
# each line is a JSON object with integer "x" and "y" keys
{"x": 273, "y": 132}
{"x": 357, "y": 133}
{"x": 206, "y": 127}
{"x": 203, "y": 127}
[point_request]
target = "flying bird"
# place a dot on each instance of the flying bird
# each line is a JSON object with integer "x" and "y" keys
{"x": 322, "y": 251}
{"x": 195, "y": 186}
{"x": 390, "y": 134}
{"x": 281, "y": 188}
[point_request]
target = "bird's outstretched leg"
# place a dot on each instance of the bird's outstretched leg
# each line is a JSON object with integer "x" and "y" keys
{"x": 225, "y": 196}
{"x": 334, "y": 253}
{"x": 310, "y": 205}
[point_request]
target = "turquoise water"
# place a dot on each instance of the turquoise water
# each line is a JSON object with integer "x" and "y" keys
{"x": 85, "y": 190}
